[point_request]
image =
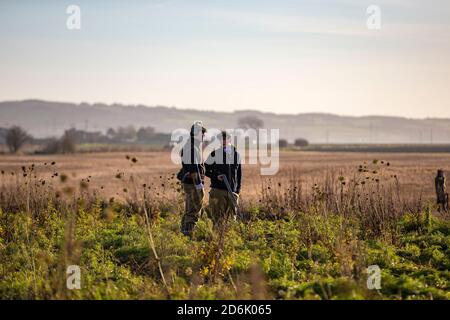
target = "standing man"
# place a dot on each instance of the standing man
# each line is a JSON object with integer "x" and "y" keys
{"x": 441, "y": 190}
{"x": 192, "y": 175}
{"x": 223, "y": 167}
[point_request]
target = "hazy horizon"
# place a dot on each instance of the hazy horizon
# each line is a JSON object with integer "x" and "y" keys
{"x": 229, "y": 110}
{"x": 284, "y": 57}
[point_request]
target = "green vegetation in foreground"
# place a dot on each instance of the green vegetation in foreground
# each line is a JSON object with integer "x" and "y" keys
{"x": 302, "y": 256}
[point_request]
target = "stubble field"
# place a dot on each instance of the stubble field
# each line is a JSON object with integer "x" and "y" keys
{"x": 414, "y": 171}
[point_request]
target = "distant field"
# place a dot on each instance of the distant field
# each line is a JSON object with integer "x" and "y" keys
{"x": 385, "y": 148}
{"x": 415, "y": 171}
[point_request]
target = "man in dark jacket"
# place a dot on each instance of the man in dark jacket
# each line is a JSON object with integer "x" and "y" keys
{"x": 192, "y": 175}
{"x": 223, "y": 167}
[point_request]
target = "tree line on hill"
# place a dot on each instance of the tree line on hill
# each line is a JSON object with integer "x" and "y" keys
{"x": 15, "y": 138}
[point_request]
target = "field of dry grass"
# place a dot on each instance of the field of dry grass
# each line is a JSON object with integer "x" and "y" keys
{"x": 415, "y": 172}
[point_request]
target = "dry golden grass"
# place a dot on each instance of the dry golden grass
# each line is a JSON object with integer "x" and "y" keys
{"x": 415, "y": 172}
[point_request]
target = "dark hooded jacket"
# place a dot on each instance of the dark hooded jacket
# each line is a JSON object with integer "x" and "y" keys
{"x": 227, "y": 163}
{"x": 192, "y": 162}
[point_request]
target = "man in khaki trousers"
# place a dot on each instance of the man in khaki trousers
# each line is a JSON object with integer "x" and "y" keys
{"x": 192, "y": 176}
{"x": 223, "y": 167}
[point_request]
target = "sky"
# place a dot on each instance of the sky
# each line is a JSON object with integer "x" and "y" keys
{"x": 284, "y": 56}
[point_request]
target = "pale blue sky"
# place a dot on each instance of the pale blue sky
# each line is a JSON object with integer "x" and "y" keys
{"x": 281, "y": 56}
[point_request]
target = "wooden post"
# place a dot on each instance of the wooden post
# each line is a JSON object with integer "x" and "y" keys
{"x": 441, "y": 195}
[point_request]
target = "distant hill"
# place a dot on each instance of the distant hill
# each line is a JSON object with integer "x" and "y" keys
{"x": 44, "y": 119}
